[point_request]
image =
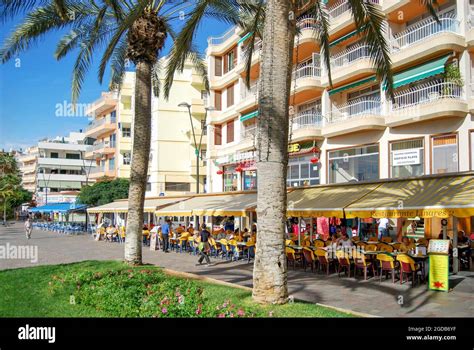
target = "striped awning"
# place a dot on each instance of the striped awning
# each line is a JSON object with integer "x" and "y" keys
{"x": 249, "y": 116}
{"x": 352, "y": 85}
{"x": 420, "y": 72}
{"x": 120, "y": 206}
{"x": 425, "y": 197}
{"x": 347, "y": 36}
{"x": 219, "y": 204}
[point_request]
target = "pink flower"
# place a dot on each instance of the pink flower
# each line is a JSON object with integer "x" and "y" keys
{"x": 164, "y": 310}
{"x": 231, "y": 315}
{"x": 241, "y": 312}
{"x": 198, "y": 311}
{"x": 221, "y": 316}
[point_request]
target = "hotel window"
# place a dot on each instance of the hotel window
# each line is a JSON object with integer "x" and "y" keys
{"x": 444, "y": 154}
{"x": 230, "y": 95}
{"x": 230, "y": 131}
{"x": 218, "y": 66}
{"x": 112, "y": 163}
{"x": 354, "y": 164}
{"x": 204, "y": 157}
{"x": 178, "y": 186}
{"x": 301, "y": 172}
{"x": 217, "y": 135}
{"x": 230, "y": 60}
{"x": 54, "y": 155}
{"x": 127, "y": 158}
{"x": 407, "y": 158}
{"x": 249, "y": 180}
{"x": 73, "y": 156}
{"x": 230, "y": 179}
{"x": 126, "y": 132}
{"x": 218, "y": 100}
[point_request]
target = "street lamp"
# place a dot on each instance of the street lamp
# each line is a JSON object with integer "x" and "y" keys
{"x": 197, "y": 147}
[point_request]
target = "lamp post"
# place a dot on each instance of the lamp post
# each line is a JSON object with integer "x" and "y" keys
{"x": 197, "y": 147}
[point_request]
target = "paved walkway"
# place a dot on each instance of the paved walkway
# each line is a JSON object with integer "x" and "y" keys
{"x": 371, "y": 297}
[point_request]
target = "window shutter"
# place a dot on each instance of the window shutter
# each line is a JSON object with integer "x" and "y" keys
{"x": 218, "y": 100}
{"x": 217, "y": 135}
{"x": 235, "y": 56}
{"x": 218, "y": 66}
{"x": 230, "y": 95}
{"x": 230, "y": 131}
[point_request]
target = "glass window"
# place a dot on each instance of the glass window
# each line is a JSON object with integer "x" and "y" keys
{"x": 301, "y": 172}
{"x": 445, "y": 154}
{"x": 250, "y": 180}
{"x": 73, "y": 156}
{"x": 407, "y": 158}
{"x": 126, "y": 132}
{"x": 178, "y": 186}
{"x": 127, "y": 158}
{"x": 54, "y": 155}
{"x": 230, "y": 179}
{"x": 354, "y": 164}
{"x": 112, "y": 163}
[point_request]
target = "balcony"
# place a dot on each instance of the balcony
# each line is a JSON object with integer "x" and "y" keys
{"x": 248, "y": 97}
{"x": 340, "y": 15}
{"x": 197, "y": 132}
{"x": 99, "y": 172}
{"x": 470, "y": 30}
{"x": 435, "y": 99}
{"x": 358, "y": 115}
{"x": 28, "y": 169}
{"x": 28, "y": 179}
{"x": 307, "y": 26}
{"x": 61, "y": 177}
{"x": 248, "y": 133}
{"x": 257, "y": 51}
{"x": 218, "y": 45}
{"x": 198, "y": 106}
{"x": 351, "y": 63}
{"x": 306, "y": 77}
{"x": 307, "y": 124}
{"x": 63, "y": 163}
{"x": 102, "y": 148}
{"x": 101, "y": 126}
{"x": 107, "y": 101}
{"x": 425, "y": 38}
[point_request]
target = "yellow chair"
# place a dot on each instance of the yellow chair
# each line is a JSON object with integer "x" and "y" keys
{"x": 361, "y": 244}
{"x": 306, "y": 242}
{"x": 323, "y": 259}
{"x": 373, "y": 239}
{"x": 396, "y": 246}
{"x": 319, "y": 243}
{"x": 183, "y": 240}
{"x": 387, "y": 239}
{"x": 122, "y": 232}
{"x": 370, "y": 248}
{"x": 384, "y": 247}
{"x": 344, "y": 260}
{"x": 387, "y": 264}
{"x": 408, "y": 266}
{"x": 309, "y": 258}
{"x": 328, "y": 243}
{"x": 225, "y": 247}
{"x": 361, "y": 263}
{"x": 288, "y": 242}
{"x": 291, "y": 257}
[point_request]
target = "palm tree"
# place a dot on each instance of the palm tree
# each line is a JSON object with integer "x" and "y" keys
{"x": 124, "y": 29}
{"x": 278, "y": 34}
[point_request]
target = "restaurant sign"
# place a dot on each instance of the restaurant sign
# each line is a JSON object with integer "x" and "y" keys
{"x": 235, "y": 158}
{"x": 411, "y": 213}
{"x": 438, "y": 277}
{"x": 406, "y": 157}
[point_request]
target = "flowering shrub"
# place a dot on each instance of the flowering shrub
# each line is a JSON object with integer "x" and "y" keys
{"x": 144, "y": 292}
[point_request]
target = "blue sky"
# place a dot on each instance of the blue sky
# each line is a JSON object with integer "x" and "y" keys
{"x": 30, "y": 93}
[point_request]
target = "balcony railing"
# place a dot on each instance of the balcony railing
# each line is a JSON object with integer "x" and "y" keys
{"x": 356, "y": 108}
{"x": 99, "y": 122}
{"x": 248, "y": 132}
{"x": 102, "y": 145}
{"x": 251, "y": 92}
{"x": 257, "y": 49}
{"x": 341, "y": 7}
{"x": 220, "y": 39}
{"x": 426, "y": 93}
{"x": 346, "y": 57}
{"x": 306, "y": 69}
{"x": 423, "y": 30}
{"x": 307, "y": 119}
{"x": 306, "y": 22}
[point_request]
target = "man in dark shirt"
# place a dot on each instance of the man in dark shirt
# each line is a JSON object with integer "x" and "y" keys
{"x": 204, "y": 247}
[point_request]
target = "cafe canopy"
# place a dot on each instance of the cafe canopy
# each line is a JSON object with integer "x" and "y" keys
{"x": 424, "y": 197}
{"x": 150, "y": 205}
{"x": 220, "y": 204}
{"x": 58, "y": 208}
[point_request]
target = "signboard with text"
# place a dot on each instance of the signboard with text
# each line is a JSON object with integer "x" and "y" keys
{"x": 406, "y": 157}
{"x": 438, "y": 278}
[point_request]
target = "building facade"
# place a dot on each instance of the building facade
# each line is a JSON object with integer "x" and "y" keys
{"x": 353, "y": 131}
{"x": 62, "y": 167}
{"x": 27, "y": 164}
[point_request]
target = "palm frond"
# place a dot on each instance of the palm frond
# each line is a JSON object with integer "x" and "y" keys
{"x": 118, "y": 65}
{"x": 368, "y": 16}
{"x": 432, "y": 6}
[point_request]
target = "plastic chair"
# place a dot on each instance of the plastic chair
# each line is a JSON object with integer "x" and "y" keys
{"x": 291, "y": 257}
{"x": 373, "y": 239}
{"x": 344, "y": 260}
{"x": 361, "y": 263}
{"x": 323, "y": 259}
{"x": 183, "y": 241}
{"x": 318, "y": 243}
{"x": 370, "y": 248}
{"x": 225, "y": 249}
{"x": 384, "y": 247}
{"x": 236, "y": 251}
{"x": 387, "y": 239}
{"x": 309, "y": 258}
{"x": 289, "y": 242}
{"x": 396, "y": 246}
{"x": 407, "y": 267}
{"x": 387, "y": 264}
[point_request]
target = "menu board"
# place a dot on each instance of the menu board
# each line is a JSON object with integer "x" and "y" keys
{"x": 438, "y": 278}
{"x": 439, "y": 246}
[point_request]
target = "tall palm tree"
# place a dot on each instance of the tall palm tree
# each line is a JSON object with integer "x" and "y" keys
{"x": 125, "y": 29}
{"x": 278, "y": 34}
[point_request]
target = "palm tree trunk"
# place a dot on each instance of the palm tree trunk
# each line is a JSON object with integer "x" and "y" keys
{"x": 270, "y": 272}
{"x": 139, "y": 165}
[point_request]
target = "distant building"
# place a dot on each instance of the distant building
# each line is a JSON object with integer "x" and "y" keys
{"x": 27, "y": 164}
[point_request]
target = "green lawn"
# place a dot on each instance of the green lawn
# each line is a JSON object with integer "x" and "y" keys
{"x": 112, "y": 289}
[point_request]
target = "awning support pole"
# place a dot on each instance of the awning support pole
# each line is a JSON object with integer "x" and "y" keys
{"x": 311, "y": 229}
{"x": 299, "y": 231}
{"x": 455, "y": 246}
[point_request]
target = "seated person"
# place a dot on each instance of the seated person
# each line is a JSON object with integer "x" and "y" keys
{"x": 191, "y": 229}
{"x": 406, "y": 245}
{"x": 238, "y": 235}
{"x": 462, "y": 237}
{"x": 221, "y": 234}
{"x": 345, "y": 241}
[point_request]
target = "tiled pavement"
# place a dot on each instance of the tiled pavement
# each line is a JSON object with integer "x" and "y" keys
{"x": 371, "y": 297}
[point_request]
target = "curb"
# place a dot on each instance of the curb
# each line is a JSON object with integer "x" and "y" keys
{"x": 228, "y": 284}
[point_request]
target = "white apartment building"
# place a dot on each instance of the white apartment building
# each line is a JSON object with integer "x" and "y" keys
{"x": 27, "y": 164}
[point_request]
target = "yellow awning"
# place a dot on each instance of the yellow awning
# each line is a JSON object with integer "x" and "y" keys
{"x": 437, "y": 196}
{"x": 228, "y": 204}
{"x": 120, "y": 206}
{"x": 151, "y": 205}
{"x": 329, "y": 200}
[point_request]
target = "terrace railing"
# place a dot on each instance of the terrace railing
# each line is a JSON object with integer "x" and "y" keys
{"x": 356, "y": 108}
{"x": 346, "y": 57}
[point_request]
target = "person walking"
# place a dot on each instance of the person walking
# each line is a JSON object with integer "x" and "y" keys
{"x": 204, "y": 247}
{"x": 165, "y": 232}
{"x": 28, "y": 228}
{"x": 383, "y": 228}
